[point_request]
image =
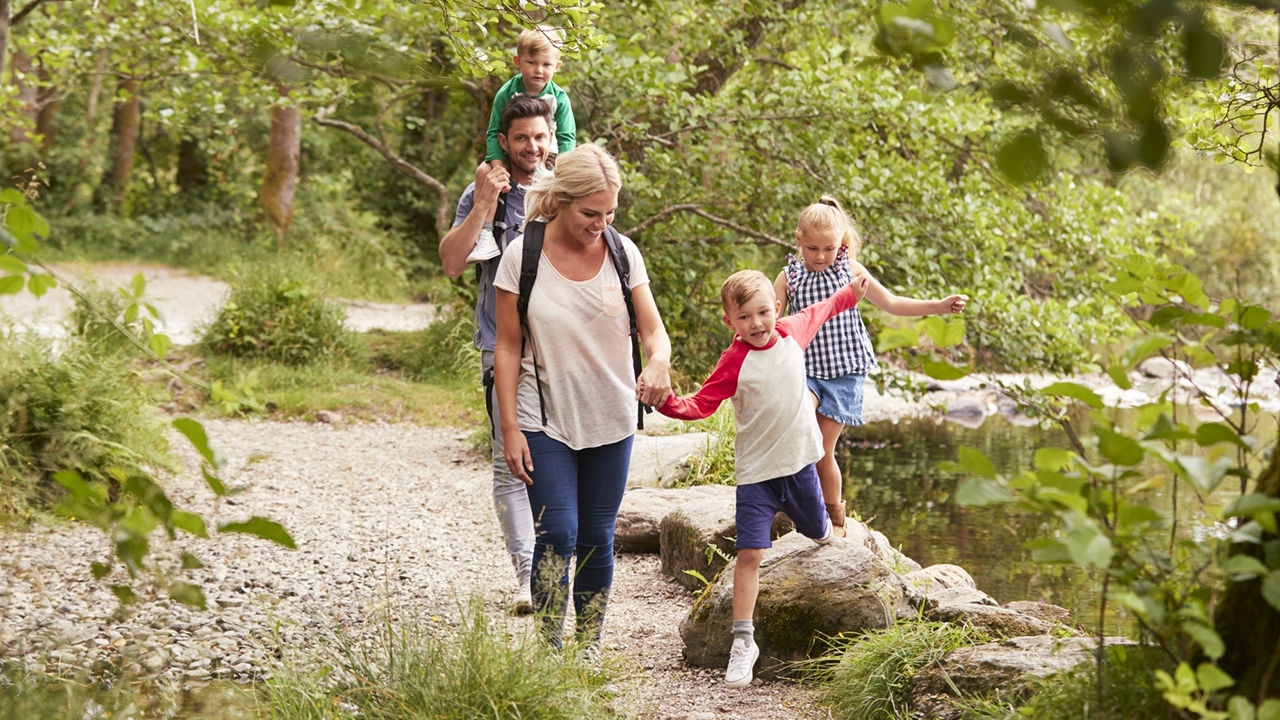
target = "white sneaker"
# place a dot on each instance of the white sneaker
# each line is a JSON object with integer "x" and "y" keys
{"x": 486, "y": 247}
{"x": 523, "y": 604}
{"x": 741, "y": 660}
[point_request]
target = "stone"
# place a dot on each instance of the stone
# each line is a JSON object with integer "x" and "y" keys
{"x": 1052, "y": 614}
{"x": 996, "y": 621}
{"x": 699, "y": 535}
{"x": 900, "y": 563}
{"x": 329, "y": 416}
{"x": 640, "y": 516}
{"x": 663, "y": 460}
{"x": 1010, "y": 667}
{"x": 940, "y": 577}
{"x": 959, "y": 596}
{"x": 807, "y": 592}
{"x": 1161, "y": 368}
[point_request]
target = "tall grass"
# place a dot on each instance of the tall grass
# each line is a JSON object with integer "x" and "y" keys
{"x": 871, "y": 673}
{"x": 75, "y": 409}
{"x": 714, "y": 465}
{"x": 26, "y": 695}
{"x": 417, "y": 669}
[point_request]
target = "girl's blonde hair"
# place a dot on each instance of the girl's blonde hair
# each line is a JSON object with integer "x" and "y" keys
{"x": 826, "y": 217}
{"x": 583, "y": 171}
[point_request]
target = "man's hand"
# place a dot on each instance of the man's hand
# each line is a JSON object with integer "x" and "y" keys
{"x": 491, "y": 181}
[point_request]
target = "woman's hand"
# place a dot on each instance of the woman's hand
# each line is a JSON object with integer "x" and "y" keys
{"x": 519, "y": 459}
{"x": 954, "y": 304}
{"x": 654, "y": 384}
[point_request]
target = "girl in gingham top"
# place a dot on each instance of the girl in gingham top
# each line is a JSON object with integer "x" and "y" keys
{"x": 841, "y": 354}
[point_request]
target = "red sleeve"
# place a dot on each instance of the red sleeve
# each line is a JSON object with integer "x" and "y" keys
{"x": 720, "y": 386}
{"x": 802, "y": 326}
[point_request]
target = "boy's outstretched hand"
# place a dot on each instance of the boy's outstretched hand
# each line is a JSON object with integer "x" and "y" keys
{"x": 860, "y": 279}
{"x": 955, "y": 303}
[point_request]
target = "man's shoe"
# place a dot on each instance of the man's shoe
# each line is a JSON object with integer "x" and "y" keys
{"x": 741, "y": 660}
{"x": 523, "y": 604}
{"x": 486, "y": 247}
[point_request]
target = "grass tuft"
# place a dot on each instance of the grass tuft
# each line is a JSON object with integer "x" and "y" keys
{"x": 715, "y": 464}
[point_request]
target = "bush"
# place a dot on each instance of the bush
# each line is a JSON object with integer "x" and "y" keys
{"x": 278, "y": 313}
{"x": 418, "y": 669}
{"x": 78, "y": 410}
{"x": 443, "y": 351}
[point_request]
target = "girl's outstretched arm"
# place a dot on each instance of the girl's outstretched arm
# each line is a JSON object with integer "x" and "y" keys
{"x": 780, "y": 291}
{"x": 883, "y": 298}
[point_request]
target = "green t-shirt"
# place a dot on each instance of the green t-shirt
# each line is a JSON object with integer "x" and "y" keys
{"x": 565, "y": 130}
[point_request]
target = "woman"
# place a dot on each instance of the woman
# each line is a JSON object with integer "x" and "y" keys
{"x": 575, "y": 464}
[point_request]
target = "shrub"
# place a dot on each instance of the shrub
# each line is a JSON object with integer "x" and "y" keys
{"x": 78, "y": 410}
{"x": 278, "y": 313}
{"x": 442, "y": 351}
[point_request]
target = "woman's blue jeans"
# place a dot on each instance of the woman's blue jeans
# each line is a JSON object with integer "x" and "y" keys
{"x": 574, "y": 498}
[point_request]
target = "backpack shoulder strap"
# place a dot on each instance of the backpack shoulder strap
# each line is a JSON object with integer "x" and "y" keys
{"x": 622, "y": 265}
{"x": 529, "y": 259}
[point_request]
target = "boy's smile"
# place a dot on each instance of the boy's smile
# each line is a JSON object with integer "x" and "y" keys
{"x": 754, "y": 319}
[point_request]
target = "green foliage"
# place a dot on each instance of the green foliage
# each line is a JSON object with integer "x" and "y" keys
{"x": 276, "y": 312}
{"x": 72, "y": 409}
{"x": 442, "y": 352}
{"x": 867, "y": 676}
{"x": 29, "y": 695}
{"x": 714, "y": 465}
{"x": 470, "y": 667}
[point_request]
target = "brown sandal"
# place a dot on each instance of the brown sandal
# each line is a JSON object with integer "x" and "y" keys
{"x": 836, "y": 512}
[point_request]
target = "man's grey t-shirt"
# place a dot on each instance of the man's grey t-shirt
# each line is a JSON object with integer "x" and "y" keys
{"x": 486, "y": 299}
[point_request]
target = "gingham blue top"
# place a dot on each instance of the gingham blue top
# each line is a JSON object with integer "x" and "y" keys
{"x": 842, "y": 346}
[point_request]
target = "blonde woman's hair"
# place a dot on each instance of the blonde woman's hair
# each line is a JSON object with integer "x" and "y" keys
{"x": 826, "y": 217}
{"x": 538, "y": 40}
{"x": 583, "y": 171}
{"x": 743, "y": 285}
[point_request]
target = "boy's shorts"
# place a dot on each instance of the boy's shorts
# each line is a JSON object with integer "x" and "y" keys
{"x": 839, "y": 398}
{"x": 799, "y": 496}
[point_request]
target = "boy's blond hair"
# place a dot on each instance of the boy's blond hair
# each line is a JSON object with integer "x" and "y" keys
{"x": 826, "y": 217}
{"x": 538, "y": 40}
{"x": 741, "y": 286}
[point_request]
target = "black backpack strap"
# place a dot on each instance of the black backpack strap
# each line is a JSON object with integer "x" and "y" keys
{"x": 622, "y": 265}
{"x": 529, "y": 259}
{"x": 499, "y": 234}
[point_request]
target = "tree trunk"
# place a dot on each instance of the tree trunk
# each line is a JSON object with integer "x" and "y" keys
{"x": 1249, "y": 626}
{"x": 280, "y": 178}
{"x": 193, "y": 170}
{"x": 4, "y": 35}
{"x": 124, "y": 141}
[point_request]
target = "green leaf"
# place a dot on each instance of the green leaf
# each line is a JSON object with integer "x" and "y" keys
{"x": 12, "y": 196}
{"x": 1271, "y": 589}
{"x": 1022, "y": 158}
{"x": 187, "y": 594}
{"x": 1075, "y": 391}
{"x": 138, "y": 285}
{"x": 195, "y": 433}
{"x": 1212, "y": 678}
{"x": 41, "y": 283}
{"x": 1051, "y": 458}
{"x": 1144, "y": 347}
{"x": 11, "y": 284}
{"x": 1050, "y": 551}
{"x": 190, "y": 522}
{"x": 1254, "y": 317}
{"x": 213, "y": 481}
{"x": 1244, "y": 567}
{"x": 125, "y": 594}
{"x": 1239, "y": 708}
{"x": 1205, "y": 637}
{"x": 13, "y": 265}
{"x": 263, "y": 528}
{"x": 944, "y": 333}
{"x": 191, "y": 562}
{"x": 1119, "y": 449}
{"x": 1270, "y": 710}
{"x": 1088, "y": 547}
{"x": 73, "y": 481}
{"x": 894, "y": 338}
{"x": 975, "y": 462}
{"x": 1120, "y": 377}
{"x": 99, "y": 570}
{"x": 1206, "y": 476}
{"x": 1211, "y": 433}
{"x": 979, "y": 491}
{"x": 943, "y": 370}
{"x": 160, "y": 344}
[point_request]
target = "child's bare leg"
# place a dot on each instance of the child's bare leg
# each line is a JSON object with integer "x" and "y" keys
{"x": 829, "y": 472}
{"x": 746, "y": 582}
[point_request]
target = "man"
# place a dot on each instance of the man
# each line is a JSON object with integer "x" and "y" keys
{"x": 525, "y": 137}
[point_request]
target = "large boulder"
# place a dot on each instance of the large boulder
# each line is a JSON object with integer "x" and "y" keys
{"x": 807, "y": 592}
{"x": 940, "y": 577}
{"x": 699, "y": 535}
{"x": 1009, "y": 668}
{"x": 663, "y": 460}
{"x": 640, "y": 516}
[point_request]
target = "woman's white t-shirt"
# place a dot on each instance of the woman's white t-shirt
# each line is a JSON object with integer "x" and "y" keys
{"x": 580, "y": 337}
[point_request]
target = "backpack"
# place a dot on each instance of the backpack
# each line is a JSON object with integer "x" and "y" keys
{"x": 534, "y": 233}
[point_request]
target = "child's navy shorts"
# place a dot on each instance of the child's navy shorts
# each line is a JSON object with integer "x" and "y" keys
{"x": 799, "y": 496}
{"x": 839, "y": 398}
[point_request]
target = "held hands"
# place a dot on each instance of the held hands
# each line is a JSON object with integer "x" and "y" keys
{"x": 954, "y": 304}
{"x": 654, "y": 384}
{"x": 519, "y": 459}
{"x": 860, "y": 279}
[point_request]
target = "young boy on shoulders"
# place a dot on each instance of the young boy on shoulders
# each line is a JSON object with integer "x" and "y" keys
{"x": 763, "y": 375}
{"x": 537, "y": 58}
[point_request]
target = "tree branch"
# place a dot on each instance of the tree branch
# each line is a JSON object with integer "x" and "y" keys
{"x": 697, "y": 210}
{"x": 18, "y": 16}
{"x": 445, "y": 206}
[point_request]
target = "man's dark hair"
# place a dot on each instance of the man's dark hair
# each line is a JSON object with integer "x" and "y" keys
{"x": 523, "y": 106}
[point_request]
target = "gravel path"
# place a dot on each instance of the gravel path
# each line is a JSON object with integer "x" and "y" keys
{"x": 384, "y": 515}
